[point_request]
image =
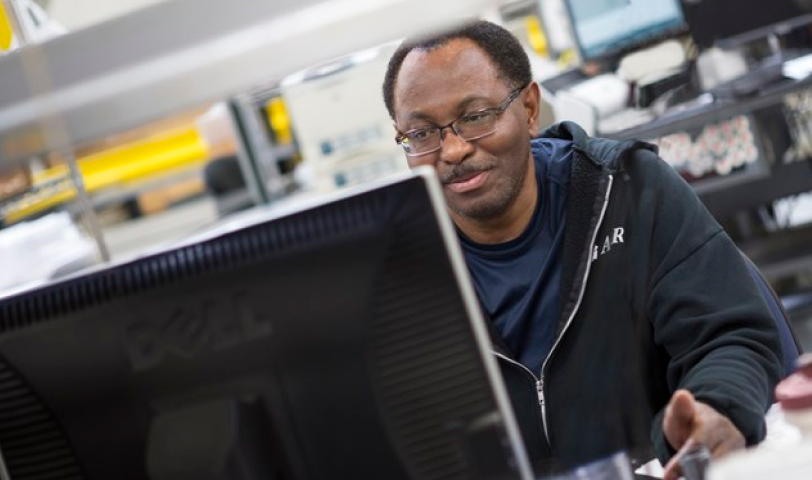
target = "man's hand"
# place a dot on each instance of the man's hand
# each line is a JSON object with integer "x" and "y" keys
{"x": 688, "y": 422}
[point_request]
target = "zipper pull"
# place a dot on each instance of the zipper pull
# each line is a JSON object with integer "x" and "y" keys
{"x": 540, "y": 391}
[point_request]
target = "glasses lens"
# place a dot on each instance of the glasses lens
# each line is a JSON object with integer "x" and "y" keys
{"x": 421, "y": 141}
{"x": 476, "y": 125}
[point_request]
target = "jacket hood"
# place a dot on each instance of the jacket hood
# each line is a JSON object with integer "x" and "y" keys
{"x": 600, "y": 151}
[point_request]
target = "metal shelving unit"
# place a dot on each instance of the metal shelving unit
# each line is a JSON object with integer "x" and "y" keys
{"x": 183, "y": 53}
{"x": 177, "y": 55}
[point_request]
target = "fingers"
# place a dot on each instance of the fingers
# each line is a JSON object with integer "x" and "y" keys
{"x": 680, "y": 419}
{"x": 688, "y": 423}
{"x": 679, "y": 424}
{"x": 682, "y": 407}
{"x": 722, "y": 438}
{"x": 690, "y": 462}
{"x": 673, "y": 470}
{"x": 717, "y": 432}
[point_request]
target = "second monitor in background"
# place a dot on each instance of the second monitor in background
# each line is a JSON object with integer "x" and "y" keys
{"x": 607, "y": 29}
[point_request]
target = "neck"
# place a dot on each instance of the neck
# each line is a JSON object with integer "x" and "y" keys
{"x": 509, "y": 225}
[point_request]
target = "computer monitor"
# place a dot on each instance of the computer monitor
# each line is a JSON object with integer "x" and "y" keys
{"x": 728, "y": 23}
{"x": 608, "y": 28}
{"x": 342, "y": 340}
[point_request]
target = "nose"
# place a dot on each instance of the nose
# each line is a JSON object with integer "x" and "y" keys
{"x": 454, "y": 149}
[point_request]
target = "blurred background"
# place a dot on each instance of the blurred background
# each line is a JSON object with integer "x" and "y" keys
{"x": 131, "y": 125}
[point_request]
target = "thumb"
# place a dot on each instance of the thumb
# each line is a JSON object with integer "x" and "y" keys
{"x": 680, "y": 418}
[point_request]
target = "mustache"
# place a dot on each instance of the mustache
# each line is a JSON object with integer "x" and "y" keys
{"x": 462, "y": 170}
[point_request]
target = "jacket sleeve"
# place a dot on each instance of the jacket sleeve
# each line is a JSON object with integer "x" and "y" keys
{"x": 707, "y": 313}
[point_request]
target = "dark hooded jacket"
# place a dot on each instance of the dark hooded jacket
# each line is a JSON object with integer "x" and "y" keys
{"x": 654, "y": 297}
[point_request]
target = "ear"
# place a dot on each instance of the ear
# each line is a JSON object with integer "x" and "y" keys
{"x": 532, "y": 107}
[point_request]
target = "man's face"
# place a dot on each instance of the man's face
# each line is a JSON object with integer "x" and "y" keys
{"x": 481, "y": 178}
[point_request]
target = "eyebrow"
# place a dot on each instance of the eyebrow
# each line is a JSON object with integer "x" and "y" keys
{"x": 418, "y": 115}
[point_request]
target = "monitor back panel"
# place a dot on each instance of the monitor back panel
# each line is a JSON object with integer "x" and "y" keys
{"x": 344, "y": 324}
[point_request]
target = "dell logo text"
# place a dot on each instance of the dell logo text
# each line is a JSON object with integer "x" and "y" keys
{"x": 190, "y": 330}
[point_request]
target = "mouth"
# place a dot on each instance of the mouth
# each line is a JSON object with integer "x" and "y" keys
{"x": 467, "y": 183}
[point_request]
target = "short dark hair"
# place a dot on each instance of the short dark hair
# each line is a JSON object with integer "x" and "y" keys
{"x": 501, "y": 46}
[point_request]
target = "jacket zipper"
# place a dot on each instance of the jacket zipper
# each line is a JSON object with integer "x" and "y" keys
{"x": 540, "y": 379}
{"x": 539, "y": 385}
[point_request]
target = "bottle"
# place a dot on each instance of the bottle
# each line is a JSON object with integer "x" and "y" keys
{"x": 793, "y": 462}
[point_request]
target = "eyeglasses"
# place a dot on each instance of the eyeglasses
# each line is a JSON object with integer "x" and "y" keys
{"x": 471, "y": 126}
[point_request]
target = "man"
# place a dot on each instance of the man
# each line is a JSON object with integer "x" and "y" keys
{"x": 622, "y": 315}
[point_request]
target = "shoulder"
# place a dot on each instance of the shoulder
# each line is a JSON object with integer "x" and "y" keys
{"x": 614, "y": 154}
{"x": 547, "y": 146}
{"x": 553, "y": 157}
{"x": 646, "y": 166}
{"x": 665, "y": 200}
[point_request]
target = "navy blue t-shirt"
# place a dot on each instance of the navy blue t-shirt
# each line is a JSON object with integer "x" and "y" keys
{"x": 518, "y": 282}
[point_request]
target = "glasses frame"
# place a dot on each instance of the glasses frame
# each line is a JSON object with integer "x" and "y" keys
{"x": 497, "y": 110}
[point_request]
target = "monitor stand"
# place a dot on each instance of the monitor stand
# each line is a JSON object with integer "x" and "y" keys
{"x": 221, "y": 439}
